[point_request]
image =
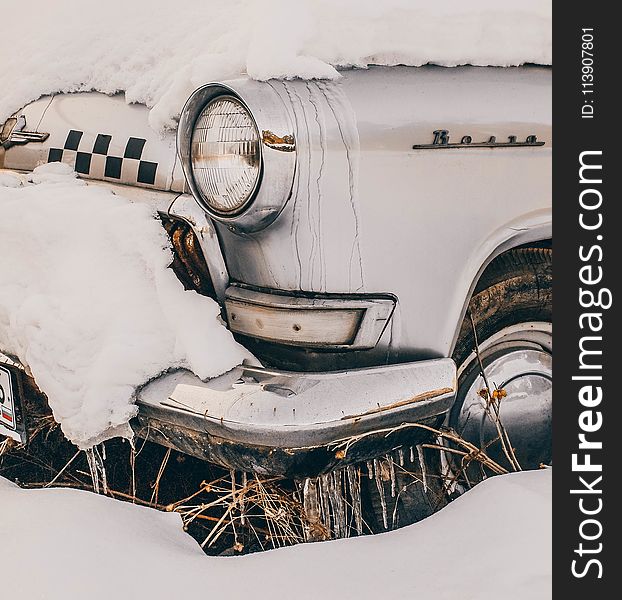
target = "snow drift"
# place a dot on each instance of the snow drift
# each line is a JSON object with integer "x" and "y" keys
{"x": 158, "y": 52}
{"x": 492, "y": 543}
{"x": 88, "y": 304}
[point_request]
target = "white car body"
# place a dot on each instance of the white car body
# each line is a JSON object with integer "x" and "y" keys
{"x": 377, "y": 219}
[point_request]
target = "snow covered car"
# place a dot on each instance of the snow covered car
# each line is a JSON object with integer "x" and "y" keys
{"x": 377, "y": 242}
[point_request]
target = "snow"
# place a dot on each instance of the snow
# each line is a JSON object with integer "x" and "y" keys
{"x": 493, "y": 542}
{"x": 88, "y": 304}
{"x": 158, "y": 51}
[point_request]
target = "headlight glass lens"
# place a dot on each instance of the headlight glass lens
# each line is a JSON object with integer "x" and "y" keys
{"x": 226, "y": 156}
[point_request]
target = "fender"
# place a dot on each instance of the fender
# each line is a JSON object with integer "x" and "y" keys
{"x": 102, "y": 137}
{"x": 376, "y": 209}
{"x": 533, "y": 227}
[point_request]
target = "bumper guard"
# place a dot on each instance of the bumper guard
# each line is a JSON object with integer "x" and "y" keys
{"x": 284, "y": 423}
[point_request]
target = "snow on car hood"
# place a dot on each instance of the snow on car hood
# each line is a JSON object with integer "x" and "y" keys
{"x": 88, "y": 304}
{"x": 158, "y": 51}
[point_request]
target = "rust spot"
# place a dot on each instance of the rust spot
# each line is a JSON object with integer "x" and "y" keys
{"x": 188, "y": 261}
{"x": 276, "y": 142}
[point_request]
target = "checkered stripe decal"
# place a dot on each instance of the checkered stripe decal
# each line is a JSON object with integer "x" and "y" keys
{"x": 98, "y": 163}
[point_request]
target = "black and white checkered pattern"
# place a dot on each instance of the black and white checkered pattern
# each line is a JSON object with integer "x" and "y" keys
{"x": 99, "y": 164}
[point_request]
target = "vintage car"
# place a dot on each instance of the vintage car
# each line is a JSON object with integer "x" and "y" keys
{"x": 377, "y": 242}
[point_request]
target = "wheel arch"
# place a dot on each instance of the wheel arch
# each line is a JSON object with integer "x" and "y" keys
{"x": 533, "y": 231}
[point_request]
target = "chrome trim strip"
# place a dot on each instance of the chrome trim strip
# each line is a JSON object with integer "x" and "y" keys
{"x": 23, "y": 137}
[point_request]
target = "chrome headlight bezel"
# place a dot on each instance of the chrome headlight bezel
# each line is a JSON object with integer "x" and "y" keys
{"x": 277, "y": 149}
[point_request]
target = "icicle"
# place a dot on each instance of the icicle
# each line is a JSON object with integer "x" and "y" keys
{"x": 412, "y": 455}
{"x": 90, "y": 459}
{"x": 392, "y": 475}
{"x": 313, "y": 511}
{"x": 424, "y": 474}
{"x": 337, "y": 504}
{"x": 325, "y": 513}
{"x": 354, "y": 484}
{"x": 380, "y": 486}
{"x": 102, "y": 471}
{"x": 234, "y": 501}
{"x": 400, "y": 456}
{"x": 133, "y": 468}
{"x": 233, "y": 486}
{"x": 97, "y": 470}
{"x": 341, "y": 499}
{"x": 332, "y": 502}
{"x": 242, "y": 497}
{"x": 370, "y": 469}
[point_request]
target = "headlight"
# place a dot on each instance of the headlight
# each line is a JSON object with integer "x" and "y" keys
{"x": 226, "y": 155}
{"x": 237, "y": 148}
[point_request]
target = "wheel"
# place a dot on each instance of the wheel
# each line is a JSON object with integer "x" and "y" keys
{"x": 511, "y": 313}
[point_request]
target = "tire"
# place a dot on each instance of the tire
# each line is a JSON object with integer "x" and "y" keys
{"x": 511, "y": 311}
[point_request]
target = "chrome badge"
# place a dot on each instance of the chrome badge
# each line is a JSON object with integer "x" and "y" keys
{"x": 441, "y": 140}
{"x": 13, "y": 132}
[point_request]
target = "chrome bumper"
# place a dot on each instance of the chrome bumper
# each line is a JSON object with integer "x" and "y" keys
{"x": 284, "y": 423}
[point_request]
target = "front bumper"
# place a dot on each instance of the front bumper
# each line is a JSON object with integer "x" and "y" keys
{"x": 284, "y": 423}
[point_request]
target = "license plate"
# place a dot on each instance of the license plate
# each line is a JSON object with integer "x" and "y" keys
{"x": 8, "y": 404}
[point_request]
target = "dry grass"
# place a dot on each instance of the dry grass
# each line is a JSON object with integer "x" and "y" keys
{"x": 262, "y": 507}
{"x": 233, "y": 512}
{"x": 238, "y": 512}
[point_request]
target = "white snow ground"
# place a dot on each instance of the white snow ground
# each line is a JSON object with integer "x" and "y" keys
{"x": 492, "y": 543}
{"x": 159, "y": 51}
{"x": 88, "y": 304}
